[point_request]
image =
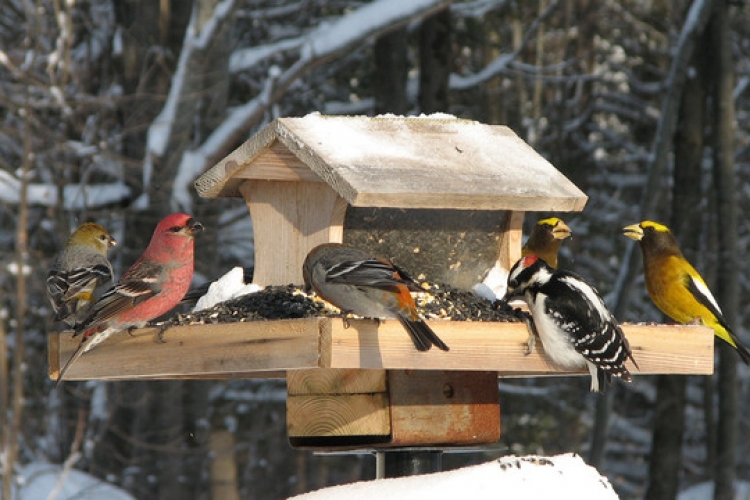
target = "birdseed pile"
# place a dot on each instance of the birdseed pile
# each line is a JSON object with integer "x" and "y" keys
{"x": 287, "y": 302}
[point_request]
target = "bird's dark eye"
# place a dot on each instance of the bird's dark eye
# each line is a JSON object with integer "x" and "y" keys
{"x": 513, "y": 283}
{"x": 175, "y": 229}
{"x": 103, "y": 237}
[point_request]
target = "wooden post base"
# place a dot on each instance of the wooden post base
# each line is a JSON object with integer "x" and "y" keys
{"x": 345, "y": 409}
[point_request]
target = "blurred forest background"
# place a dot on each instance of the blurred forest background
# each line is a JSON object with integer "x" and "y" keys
{"x": 109, "y": 110}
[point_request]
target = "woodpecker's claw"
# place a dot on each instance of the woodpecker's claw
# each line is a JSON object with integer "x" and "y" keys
{"x": 533, "y": 334}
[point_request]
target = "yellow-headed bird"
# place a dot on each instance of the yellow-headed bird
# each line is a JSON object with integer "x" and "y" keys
{"x": 675, "y": 286}
{"x": 545, "y": 240}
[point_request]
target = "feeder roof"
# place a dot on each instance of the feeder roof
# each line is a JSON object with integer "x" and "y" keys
{"x": 434, "y": 161}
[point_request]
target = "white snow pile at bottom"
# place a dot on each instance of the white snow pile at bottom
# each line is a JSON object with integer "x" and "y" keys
{"x": 37, "y": 480}
{"x": 705, "y": 491}
{"x": 528, "y": 477}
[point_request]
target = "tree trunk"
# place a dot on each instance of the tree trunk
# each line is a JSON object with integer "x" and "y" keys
{"x": 688, "y": 203}
{"x": 666, "y": 445}
{"x": 435, "y": 62}
{"x": 665, "y": 461}
{"x": 391, "y": 72}
{"x": 695, "y": 24}
{"x": 728, "y": 286}
{"x": 149, "y": 413}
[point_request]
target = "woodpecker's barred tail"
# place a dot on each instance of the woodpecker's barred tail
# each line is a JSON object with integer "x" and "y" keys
{"x": 575, "y": 327}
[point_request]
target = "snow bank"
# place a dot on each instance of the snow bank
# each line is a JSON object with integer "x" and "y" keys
{"x": 705, "y": 491}
{"x": 530, "y": 477}
{"x": 37, "y": 480}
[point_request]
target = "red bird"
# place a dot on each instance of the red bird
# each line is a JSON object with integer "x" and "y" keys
{"x": 152, "y": 286}
{"x": 357, "y": 282}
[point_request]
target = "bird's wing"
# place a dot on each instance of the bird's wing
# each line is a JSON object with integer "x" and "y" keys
{"x": 68, "y": 289}
{"x": 579, "y": 305}
{"x": 137, "y": 286}
{"x": 697, "y": 287}
{"x": 373, "y": 273}
{"x": 83, "y": 279}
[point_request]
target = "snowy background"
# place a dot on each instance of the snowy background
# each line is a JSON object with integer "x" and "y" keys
{"x": 110, "y": 109}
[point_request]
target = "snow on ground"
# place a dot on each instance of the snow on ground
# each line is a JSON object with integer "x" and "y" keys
{"x": 37, "y": 480}
{"x": 705, "y": 491}
{"x": 229, "y": 286}
{"x": 530, "y": 477}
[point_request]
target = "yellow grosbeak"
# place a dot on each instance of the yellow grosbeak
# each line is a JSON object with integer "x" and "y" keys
{"x": 675, "y": 286}
{"x": 545, "y": 240}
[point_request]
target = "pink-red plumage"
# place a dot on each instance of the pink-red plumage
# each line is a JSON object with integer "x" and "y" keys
{"x": 151, "y": 287}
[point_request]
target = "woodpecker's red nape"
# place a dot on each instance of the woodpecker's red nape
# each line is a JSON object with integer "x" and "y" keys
{"x": 529, "y": 260}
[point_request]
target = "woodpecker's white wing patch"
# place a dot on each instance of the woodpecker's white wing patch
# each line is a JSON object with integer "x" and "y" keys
{"x": 590, "y": 295}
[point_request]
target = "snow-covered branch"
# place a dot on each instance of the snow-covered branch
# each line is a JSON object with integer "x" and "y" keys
{"x": 75, "y": 196}
{"x": 501, "y": 62}
{"x": 196, "y": 39}
{"x": 319, "y": 46}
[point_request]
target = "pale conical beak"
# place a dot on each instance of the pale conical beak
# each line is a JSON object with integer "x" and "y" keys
{"x": 633, "y": 231}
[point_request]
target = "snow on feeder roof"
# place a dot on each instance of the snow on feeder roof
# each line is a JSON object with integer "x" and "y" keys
{"x": 435, "y": 161}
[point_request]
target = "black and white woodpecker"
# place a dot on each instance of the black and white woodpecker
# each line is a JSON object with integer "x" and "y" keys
{"x": 570, "y": 318}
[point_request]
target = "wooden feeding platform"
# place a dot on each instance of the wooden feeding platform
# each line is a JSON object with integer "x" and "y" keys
{"x": 445, "y": 199}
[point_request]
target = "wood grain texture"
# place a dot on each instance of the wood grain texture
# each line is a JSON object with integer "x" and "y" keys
{"x": 418, "y": 407}
{"x": 501, "y": 347}
{"x": 277, "y": 163}
{"x": 509, "y": 242}
{"x": 265, "y": 348}
{"x": 338, "y": 415}
{"x": 289, "y": 219}
{"x": 443, "y": 407}
{"x": 221, "y": 180}
{"x": 335, "y": 381}
{"x": 256, "y": 348}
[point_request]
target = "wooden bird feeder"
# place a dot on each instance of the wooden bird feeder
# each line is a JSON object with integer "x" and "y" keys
{"x": 445, "y": 199}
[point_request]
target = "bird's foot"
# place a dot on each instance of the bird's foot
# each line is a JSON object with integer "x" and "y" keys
{"x": 530, "y": 344}
{"x": 533, "y": 334}
{"x": 160, "y": 334}
{"x": 163, "y": 327}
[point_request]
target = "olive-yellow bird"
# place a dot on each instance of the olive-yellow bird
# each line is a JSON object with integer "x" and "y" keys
{"x": 675, "y": 286}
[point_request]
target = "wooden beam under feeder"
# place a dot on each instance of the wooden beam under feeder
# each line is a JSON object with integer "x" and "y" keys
{"x": 442, "y": 197}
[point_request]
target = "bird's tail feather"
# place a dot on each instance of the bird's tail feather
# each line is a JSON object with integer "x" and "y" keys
{"x": 741, "y": 349}
{"x": 91, "y": 338}
{"x": 79, "y": 352}
{"x": 422, "y": 335}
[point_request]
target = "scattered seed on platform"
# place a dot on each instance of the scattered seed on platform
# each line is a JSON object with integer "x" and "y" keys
{"x": 285, "y": 302}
